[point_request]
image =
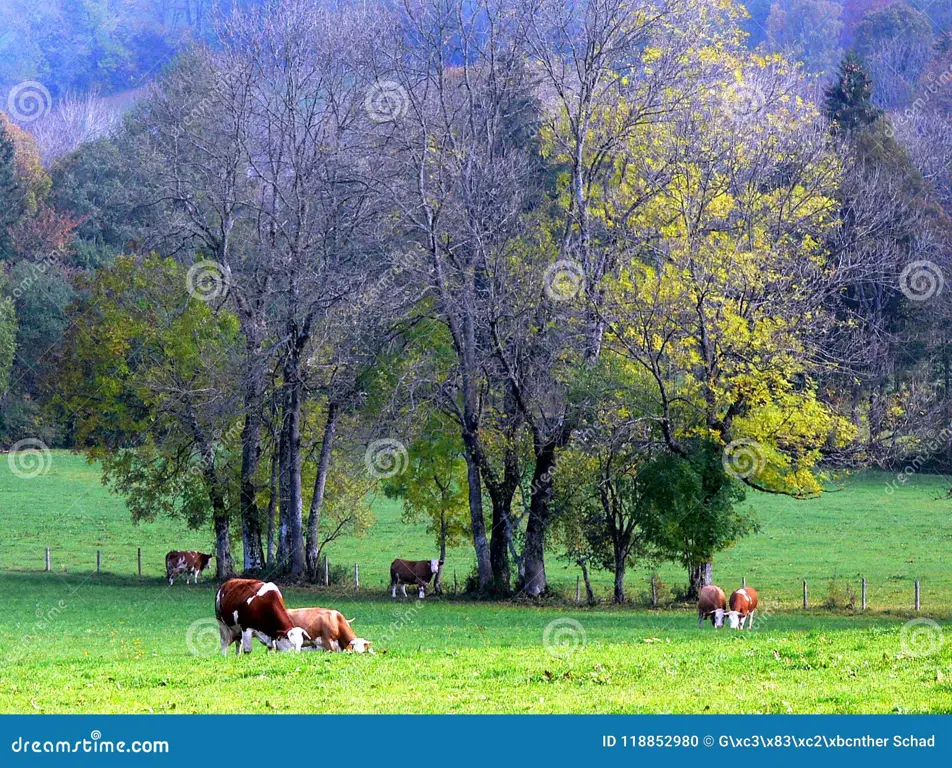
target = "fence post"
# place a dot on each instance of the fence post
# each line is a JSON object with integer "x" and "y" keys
{"x": 743, "y": 582}
{"x": 98, "y": 561}
{"x": 864, "y": 593}
{"x": 356, "y": 577}
{"x": 654, "y": 591}
{"x": 578, "y": 589}
{"x": 327, "y": 572}
{"x": 139, "y": 558}
{"x": 47, "y": 559}
{"x": 806, "y": 599}
{"x": 918, "y": 604}
{"x": 455, "y": 585}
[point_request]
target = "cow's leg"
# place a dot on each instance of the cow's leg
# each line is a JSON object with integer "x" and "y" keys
{"x": 750, "y": 620}
{"x": 700, "y": 619}
{"x": 422, "y": 593}
{"x": 226, "y": 637}
{"x": 393, "y": 588}
{"x": 246, "y": 637}
{"x": 403, "y": 588}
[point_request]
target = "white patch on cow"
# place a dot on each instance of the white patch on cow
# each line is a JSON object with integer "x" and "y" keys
{"x": 718, "y": 618}
{"x": 734, "y": 619}
{"x": 434, "y": 566}
{"x": 335, "y": 645}
{"x": 235, "y": 614}
{"x": 263, "y": 590}
{"x": 744, "y": 593}
{"x": 422, "y": 594}
{"x": 218, "y": 600}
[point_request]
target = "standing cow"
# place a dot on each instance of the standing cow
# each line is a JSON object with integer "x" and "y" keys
{"x": 711, "y": 603}
{"x": 190, "y": 563}
{"x": 743, "y": 603}
{"x": 417, "y": 572}
{"x": 247, "y": 608}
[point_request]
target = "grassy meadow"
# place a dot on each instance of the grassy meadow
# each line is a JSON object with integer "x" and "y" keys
{"x": 74, "y": 641}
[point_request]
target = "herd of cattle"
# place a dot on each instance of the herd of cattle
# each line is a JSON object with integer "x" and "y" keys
{"x": 248, "y": 608}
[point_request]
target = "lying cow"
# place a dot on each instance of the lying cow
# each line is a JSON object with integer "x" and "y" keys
{"x": 417, "y": 572}
{"x": 247, "y": 608}
{"x": 328, "y": 630}
{"x": 190, "y": 563}
{"x": 743, "y": 603}
{"x": 711, "y": 603}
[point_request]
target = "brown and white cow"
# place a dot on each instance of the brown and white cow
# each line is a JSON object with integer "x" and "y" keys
{"x": 247, "y": 608}
{"x": 190, "y": 563}
{"x": 711, "y": 602}
{"x": 417, "y": 572}
{"x": 328, "y": 630}
{"x": 743, "y": 603}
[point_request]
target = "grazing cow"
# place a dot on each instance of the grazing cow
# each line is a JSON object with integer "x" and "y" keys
{"x": 190, "y": 563}
{"x": 247, "y": 608}
{"x": 743, "y": 603}
{"x": 711, "y": 603}
{"x": 418, "y": 572}
{"x": 328, "y": 630}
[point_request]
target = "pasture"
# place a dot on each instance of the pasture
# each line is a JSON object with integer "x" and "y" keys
{"x": 74, "y": 641}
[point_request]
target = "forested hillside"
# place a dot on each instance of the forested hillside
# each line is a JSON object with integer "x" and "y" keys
{"x": 562, "y": 277}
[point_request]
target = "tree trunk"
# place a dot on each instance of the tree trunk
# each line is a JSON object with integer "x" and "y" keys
{"x": 619, "y": 596}
{"x": 438, "y": 582}
{"x": 477, "y": 520}
{"x": 535, "y": 583}
{"x": 223, "y": 565}
{"x": 317, "y": 500}
{"x": 700, "y": 576}
{"x": 292, "y": 502}
{"x": 500, "y": 543}
{"x": 250, "y": 452}
{"x": 589, "y": 592}
{"x": 272, "y": 509}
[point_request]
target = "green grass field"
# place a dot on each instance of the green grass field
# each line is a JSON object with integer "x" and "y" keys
{"x": 72, "y": 641}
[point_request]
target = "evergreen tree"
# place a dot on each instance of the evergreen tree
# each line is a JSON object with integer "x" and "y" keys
{"x": 849, "y": 103}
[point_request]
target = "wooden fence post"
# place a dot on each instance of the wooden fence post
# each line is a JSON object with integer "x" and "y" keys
{"x": 356, "y": 577}
{"x": 864, "y": 593}
{"x": 98, "y": 561}
{"x": 139, "y": 558}
{"x": 918, "y": 603}
{"x": 654, "y": 591}
{"x": 455, "y": 585}
{"x": 47, "y": 568}
{"x": 743, "y": 582}
{"x": 327, "y": 572}
{"x": 578, "y": 589}
{"x": 806, "y": 599}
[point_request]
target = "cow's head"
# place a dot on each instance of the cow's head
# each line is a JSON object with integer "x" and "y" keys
{"x": 734, "y": 619}
{"x": 435, "y": 566}
{"x": 359, "y": 645}
{"x": 292, "y": 641}
{"x": 717, "y": 617}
